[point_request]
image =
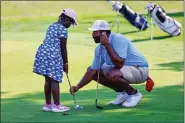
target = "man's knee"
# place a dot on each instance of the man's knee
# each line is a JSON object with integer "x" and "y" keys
{"x": 111, "y": 76}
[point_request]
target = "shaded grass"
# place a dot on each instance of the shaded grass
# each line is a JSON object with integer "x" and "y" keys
{"x": 177, "y": 14}
{"x": 149, "y": 39}
{"x": 177, "y": 66}
{"x": 163, "y": 104}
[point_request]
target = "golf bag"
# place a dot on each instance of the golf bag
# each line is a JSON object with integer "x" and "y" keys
{"x": 136, "y": 20}
{"x": 163, "y": 21}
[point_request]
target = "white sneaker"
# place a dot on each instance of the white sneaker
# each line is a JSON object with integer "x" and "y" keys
{"x": 121, "y": 97}
{"x": 59, "y": 108}
{"x": 47, "y": 107}
{"x": 132, "y": 100}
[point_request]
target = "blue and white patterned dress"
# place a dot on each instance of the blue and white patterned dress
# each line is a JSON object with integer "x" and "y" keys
{"x": 48, "y": 59}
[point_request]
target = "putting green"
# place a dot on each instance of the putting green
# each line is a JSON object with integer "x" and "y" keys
{"x": 22, "y": 91}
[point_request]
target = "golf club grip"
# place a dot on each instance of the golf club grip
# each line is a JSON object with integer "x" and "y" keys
{"x": 68, "y": 80}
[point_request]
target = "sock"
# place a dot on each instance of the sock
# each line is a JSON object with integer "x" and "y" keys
{"x": 123, "y": 92}
{"x": 132, "y": 93}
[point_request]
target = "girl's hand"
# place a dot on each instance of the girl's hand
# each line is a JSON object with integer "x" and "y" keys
{"x": 66, "y": 68}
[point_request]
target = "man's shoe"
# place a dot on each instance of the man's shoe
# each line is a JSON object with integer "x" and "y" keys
{"x": 121, "y": 97}
{"x": 132, "y": 100}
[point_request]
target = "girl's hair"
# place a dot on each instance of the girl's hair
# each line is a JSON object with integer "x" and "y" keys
{"x": 61, "y": 16}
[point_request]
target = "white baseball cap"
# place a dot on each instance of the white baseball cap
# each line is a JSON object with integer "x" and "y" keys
{"x": 71, "y": 13}
{"x": 99, "y": 25}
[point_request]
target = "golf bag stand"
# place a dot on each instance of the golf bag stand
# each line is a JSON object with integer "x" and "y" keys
{"x": 116, "y": 22}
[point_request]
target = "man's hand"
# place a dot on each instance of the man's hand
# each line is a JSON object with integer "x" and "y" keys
{"x": 73, "y": 89}
{"x": 65, "y": 68}
{"x": 104, "y": 40}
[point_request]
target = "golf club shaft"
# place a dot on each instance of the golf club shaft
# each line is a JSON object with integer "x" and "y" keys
{"x": 97, "y": 85}
{"x": 70, "y": 87}
{"x": 98, "y": 75}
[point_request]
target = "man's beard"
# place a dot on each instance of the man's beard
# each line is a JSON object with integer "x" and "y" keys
{"x": 96, "y": 39}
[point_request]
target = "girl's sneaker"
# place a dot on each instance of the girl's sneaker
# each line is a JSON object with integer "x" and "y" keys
{"x": 59, "y": 108}
{"x": 47, "y": 107}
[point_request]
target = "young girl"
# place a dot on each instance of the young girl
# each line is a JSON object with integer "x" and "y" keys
{"x": 51, "y": 59}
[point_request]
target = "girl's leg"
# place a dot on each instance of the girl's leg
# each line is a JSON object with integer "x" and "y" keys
{"x": 55, "y": 89}
{"x": 47, "y": 90}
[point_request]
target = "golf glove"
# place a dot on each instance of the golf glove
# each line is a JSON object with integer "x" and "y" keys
{"x": 116, "y": 6}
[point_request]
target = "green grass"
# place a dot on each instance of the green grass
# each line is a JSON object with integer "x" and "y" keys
{"x": 23, "y": 30}
{"x": 155, "y": 107}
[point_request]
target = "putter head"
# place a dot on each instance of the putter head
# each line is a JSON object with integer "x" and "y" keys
{"x": 99, "y": 107}
{"x": 65, "y": 113}
{"x": 77, "y": 107}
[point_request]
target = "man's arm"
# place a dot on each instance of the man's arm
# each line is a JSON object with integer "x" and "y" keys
{"x": 115, "y": 58}
{"x": 87, "y": 78}
{"x": 90, "y": 74}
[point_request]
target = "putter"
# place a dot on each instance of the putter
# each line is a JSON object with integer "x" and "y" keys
{"x": 77, "y": 107}
{"x": 96, "y": 101}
